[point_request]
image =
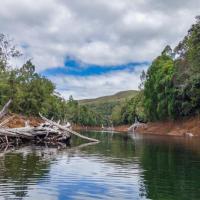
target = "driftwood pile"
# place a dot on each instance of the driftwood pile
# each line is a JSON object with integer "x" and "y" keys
{"x": 49, "y": 132}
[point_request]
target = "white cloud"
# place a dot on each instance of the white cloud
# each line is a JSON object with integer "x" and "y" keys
{"x": 99, "y": 32}
{"x": 99, "y": 85}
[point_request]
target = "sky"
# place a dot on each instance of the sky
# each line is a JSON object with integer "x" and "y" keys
{"x": 92, "y": 48}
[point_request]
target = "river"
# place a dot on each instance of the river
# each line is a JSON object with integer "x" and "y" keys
{"x": 119, "y": 167}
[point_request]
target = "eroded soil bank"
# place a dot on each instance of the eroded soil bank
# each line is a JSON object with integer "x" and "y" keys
{"x": 17, "y": 121}
{"x": 186, "y": 127}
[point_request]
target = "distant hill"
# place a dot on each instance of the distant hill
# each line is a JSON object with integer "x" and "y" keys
{"x": 120, "y": 96}
{"x": 104, "y": 105}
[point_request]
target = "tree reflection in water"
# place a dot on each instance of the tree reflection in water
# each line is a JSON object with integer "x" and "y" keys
{"x": 18, "y": 169}
{"x": 137, "y": 167}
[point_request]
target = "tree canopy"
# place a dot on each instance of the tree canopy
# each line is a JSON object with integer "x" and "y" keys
{"x": 171, "y": 86}
{"x": 33, "y": 94}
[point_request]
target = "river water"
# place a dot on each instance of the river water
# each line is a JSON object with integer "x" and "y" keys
{"x": 119, "y": 167}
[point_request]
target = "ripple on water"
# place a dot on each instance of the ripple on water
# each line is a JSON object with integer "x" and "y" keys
{"x": 121, "y": 168}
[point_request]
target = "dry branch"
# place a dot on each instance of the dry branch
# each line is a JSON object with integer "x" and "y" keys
{"x": 68, "y": 130}
{"x": 5, "y": 109}
{"x": 49, "y": 132}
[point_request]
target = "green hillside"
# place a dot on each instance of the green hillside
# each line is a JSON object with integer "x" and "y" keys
{"x": 104, "y": 105}
{"x": 118, "y": 97}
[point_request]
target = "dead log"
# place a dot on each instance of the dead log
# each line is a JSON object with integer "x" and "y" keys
{"x": 49, "y": 132}
{"x": 68, "y": 130}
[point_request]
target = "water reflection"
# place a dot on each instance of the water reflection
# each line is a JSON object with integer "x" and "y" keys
{"x": 171, "y": 168}
{"x": 119, "y": 167}
{"x": 18, "y": 170}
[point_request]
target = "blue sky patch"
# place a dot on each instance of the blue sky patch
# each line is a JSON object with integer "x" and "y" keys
{"x": 74, "y": 67}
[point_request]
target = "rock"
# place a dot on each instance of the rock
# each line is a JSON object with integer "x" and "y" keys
{"x": 189, "y": 134}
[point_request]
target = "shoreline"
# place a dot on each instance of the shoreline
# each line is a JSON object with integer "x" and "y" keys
{"x": 182, "y": 128}
{"x": 122, "y": 128}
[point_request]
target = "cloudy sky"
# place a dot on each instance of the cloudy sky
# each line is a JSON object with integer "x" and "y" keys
{"x": 90, "y": 48}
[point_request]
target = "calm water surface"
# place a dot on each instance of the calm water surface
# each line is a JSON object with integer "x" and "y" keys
{"x": 120, "y": 167}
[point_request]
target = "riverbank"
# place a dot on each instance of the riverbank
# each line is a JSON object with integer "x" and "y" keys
{"x": 122, "y": 128}
{"x": 17, "y": 121}
{"x": 187, "y": 127}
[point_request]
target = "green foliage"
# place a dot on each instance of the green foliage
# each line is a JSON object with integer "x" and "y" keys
{"x": 158, "y": 88}
{"x": 188, "y": 97}
{"x": 82, "y": 115}
{"x": 30, "y": 92}
{"x": 33, "y": 94}
{"x": 169, "y": 90}
{"x": 129, "y": 111}
{"x": 172, "y": 84}
{"x": 118, "y": 97}
{"x": 107, "y": 105}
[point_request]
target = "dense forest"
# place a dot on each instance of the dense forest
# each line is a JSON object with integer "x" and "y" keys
{"x": 172, "y": 83}
{"x": 32, "y": 93}
{"x": 170, "y": 89}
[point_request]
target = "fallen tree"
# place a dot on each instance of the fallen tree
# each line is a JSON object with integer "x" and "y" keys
{"x": 64, "y": 128}
{"x": 49, "y": 132}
